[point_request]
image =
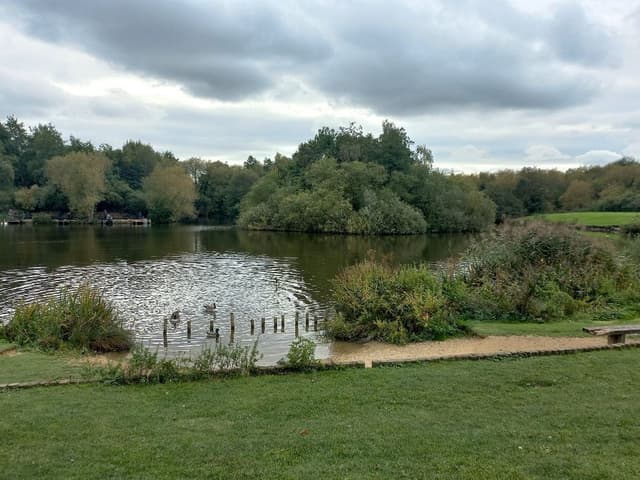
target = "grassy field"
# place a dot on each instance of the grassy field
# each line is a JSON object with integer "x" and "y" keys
{"x": 27, "y": 366}
{"x": 572, "y": 417}
{"x": 593, "y": 219}
{"x": 560, "y": 328}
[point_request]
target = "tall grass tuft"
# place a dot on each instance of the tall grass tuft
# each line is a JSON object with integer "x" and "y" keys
{"x": 80, "y": 319}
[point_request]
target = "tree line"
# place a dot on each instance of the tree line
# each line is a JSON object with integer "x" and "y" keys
{"x": 344, "y": 181}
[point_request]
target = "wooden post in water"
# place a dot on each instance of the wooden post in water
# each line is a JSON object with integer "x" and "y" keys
{"x": 210, "y": 326}
{"x": 282, "y": 323}
{"x": 275, "y": 324}
{"x": 233, "y": 322}
{"x": 306, "y": 322}
{"x": 297, "y": 331}
{"x": 164, "y": 333}
{"x": 315, "y": 323}
{"x": 297, "y": 318}
{"x": 189, "y": 329}
{"x": 262, "y": 324}
{"x": 253, "y": 326}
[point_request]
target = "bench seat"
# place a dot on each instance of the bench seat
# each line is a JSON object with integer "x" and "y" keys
{"x": 615, "y": 334}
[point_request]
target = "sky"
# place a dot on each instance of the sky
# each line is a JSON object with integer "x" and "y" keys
{"x": 487, "y": 84}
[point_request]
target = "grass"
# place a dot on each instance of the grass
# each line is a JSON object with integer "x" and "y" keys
{"x": 5, "y": 345}
{"x": 26, "y": 366}
{"x": 560, "y": 328}
{"x": 593, "y": 219}
{"x": 573, "y": 417}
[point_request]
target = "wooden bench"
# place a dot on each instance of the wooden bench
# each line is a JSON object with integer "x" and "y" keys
{"x": 615, "y": 334}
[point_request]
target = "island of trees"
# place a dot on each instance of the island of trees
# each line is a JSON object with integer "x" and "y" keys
{"x": 342, "y": 181}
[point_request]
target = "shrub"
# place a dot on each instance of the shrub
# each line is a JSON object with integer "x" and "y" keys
{"x": 393, "y": 304}
{"x": 539, "y": 271}
{"x": 41, "y": 219}
{"x": 81, "y": 319}
{"x": 301, "y": 355}
{"x": 632, "y": 229}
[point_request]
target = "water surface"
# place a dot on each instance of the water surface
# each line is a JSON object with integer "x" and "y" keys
{"x": 150, "y": 272}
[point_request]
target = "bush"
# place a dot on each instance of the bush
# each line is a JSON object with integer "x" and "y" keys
{"x": 539, "y": 271}
{"x": 632, "y": 229}
{"x": 41, "y": 219}
{"x": 301, "y": 355}
{"x": 81, "y": 319}
{"x": 393, "y": 304}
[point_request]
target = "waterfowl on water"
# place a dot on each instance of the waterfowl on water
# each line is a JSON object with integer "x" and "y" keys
{"x": 215, "y": 334}
{"x": 210, "y": 307}
{"x": 174, "y": 319}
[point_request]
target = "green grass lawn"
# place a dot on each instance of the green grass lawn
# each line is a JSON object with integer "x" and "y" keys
{"x": 570, "y": 417}
{"x": 560, "y": 328}
{"x": 27, "y": 366}
{"x": 594, "y": 219}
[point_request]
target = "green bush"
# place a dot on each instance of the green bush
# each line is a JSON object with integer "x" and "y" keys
{"x": 632, "y": 229}
{"x": 392, "y": 304}
{"x": 301, "y": 355}
{"x": 540, "y": 271}
{"x": 80, "y": 319}
{"x": 41, "y": 219}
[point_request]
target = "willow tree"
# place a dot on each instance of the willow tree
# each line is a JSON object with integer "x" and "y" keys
{"x": 170, "y": 194}
{"x": 81, "y": 177}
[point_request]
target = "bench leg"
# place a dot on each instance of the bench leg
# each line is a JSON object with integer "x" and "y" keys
{"x": 615, "y": 338}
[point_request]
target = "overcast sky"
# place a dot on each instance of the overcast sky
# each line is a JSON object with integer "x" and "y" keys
{"x": 485, "y": 84}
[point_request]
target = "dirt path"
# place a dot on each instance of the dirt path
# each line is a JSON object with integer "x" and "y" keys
{"x": 343, "y": 352}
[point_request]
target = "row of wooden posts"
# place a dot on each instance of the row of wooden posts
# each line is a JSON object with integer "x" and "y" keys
{"x": 214, "y": 332}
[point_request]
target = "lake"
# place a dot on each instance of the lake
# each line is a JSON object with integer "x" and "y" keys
{"x": 149, "y": 272}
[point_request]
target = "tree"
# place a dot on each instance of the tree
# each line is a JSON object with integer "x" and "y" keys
{"x": 579, "y": 195}
{"x": 170, "y": 194}
{"x": 44, "y": 142}
{"x": 137, "y": 161}
{"x": 6, "y": 182}
{"x": 28, "y": 198}
{"x": 81, "y": 177}
{"x": 394, "y": 148}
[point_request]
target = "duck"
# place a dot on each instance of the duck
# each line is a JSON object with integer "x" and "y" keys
{"x": 210, "y": 307}
{"x": 174, "y": 319}
{"x": 215, "y": 334}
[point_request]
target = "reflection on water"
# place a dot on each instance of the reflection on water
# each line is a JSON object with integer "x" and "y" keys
{"x": 150, "y": 272}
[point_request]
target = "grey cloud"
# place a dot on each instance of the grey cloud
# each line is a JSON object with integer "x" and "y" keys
{"x": 577, "y": 39}
{"x": 395, "y": 59}
{"x": 225, "y": 51}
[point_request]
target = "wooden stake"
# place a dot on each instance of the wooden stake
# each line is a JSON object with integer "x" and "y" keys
{"x": 262, "y": 324}
{"x": 253, "y": 326}
{"x": 282, "y": 323}
{"x": 233, "y": 322}
{"x": 188, "y": 328}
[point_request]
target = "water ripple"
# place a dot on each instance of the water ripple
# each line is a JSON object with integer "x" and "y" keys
{"x": 145, "y": 292}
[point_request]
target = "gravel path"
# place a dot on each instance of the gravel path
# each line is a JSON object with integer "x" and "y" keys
{"x": 343, "y": 352}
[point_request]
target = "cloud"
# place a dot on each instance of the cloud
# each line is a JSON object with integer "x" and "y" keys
{"x": 633, "y": 150}
{"x": 227, "y": 50}
{"x": 597, "y": 157}
{"x": 544, "y": 155}
{"x": 395, "y": 59}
